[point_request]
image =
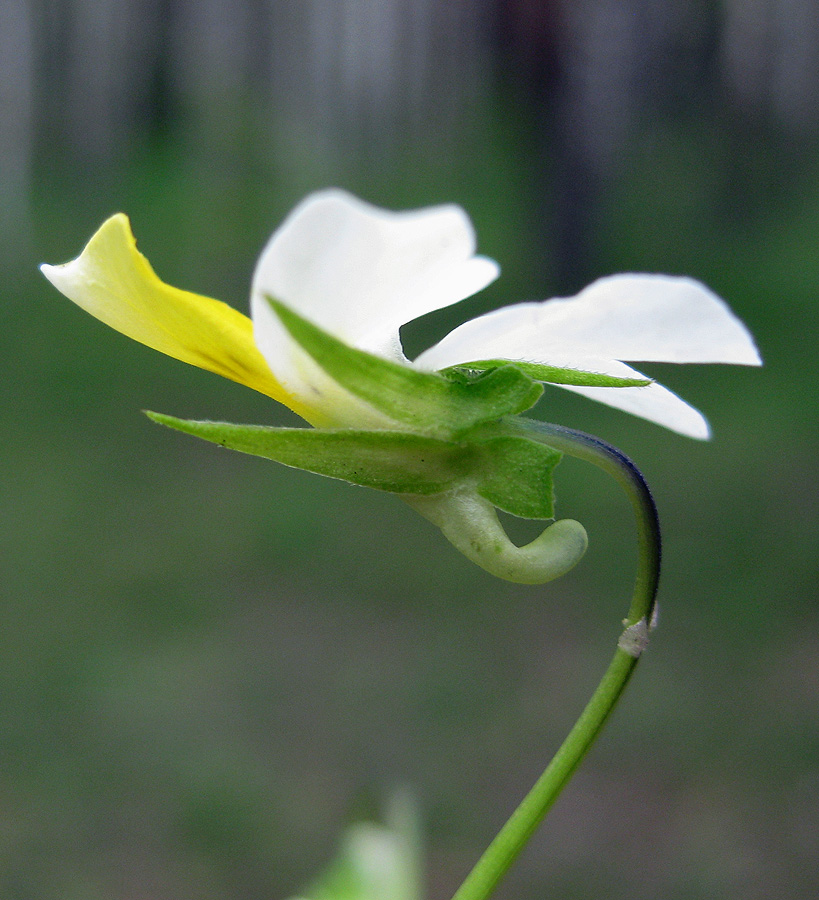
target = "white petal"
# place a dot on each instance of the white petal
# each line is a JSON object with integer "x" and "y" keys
{"x": 360, "y": 273}
{"x": 634, "y": 317}
{"x": 653, "y": 401}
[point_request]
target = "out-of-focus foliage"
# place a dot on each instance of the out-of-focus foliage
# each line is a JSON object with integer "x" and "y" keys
{"x": 376, "y": 861}
{"x": 205, "y": 658}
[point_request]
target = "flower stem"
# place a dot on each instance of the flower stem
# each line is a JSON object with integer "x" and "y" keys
{"x": 513, "y": 837}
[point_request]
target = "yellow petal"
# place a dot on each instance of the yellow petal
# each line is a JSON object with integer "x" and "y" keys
{"x": 113, "y": 281}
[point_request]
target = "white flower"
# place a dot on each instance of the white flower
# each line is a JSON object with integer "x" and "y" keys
{"x": 360, "y": 273}
{"x": 330, "y": 293}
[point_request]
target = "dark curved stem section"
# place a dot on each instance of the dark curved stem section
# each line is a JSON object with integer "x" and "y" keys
{"x": 615, "y": 463}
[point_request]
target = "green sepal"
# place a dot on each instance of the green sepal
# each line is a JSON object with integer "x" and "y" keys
{"x": 517, "y": 476}
{"x": 550, "y": 374}
{"x": 385, "y": 460}
{"x": 513, "y": 473}
{"x": 426, "y": 401}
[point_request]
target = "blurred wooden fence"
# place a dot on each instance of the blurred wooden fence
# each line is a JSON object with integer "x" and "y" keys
{"x": 87, "y": 79}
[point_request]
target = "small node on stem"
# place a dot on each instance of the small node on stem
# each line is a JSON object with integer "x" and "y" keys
{"x": 634, "y": 639}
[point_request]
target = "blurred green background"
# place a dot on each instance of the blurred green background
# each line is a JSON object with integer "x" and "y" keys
{"x": 210, "y": 663}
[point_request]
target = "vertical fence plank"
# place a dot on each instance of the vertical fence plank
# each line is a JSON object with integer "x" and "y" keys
{"x": 16, "y": 123}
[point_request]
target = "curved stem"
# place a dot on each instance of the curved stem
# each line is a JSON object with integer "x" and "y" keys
{"x": 512, "y": 838}
{"x": 615, "y": 463}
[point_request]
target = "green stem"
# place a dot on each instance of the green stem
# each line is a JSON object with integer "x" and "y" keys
{"x": 513, "y": 837}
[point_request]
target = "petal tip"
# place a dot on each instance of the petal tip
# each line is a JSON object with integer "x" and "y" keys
{"x": 754, "y": 356}
{"x": 56, "y": 274}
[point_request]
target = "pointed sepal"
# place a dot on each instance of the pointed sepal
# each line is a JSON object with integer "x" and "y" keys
{"x": 516, "y": 476}
{"x": 425, "y": 401}
{"x": 392, "y": 461}
{"x": 512, "y": 473}
{"x": 552, "y": 374}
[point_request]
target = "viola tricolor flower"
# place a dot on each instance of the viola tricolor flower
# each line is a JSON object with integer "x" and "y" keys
{"x": 332, "y": 289}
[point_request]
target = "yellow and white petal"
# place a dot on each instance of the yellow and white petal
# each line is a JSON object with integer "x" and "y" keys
{"x": 114, "y": 282}
{"x": 359, "y": 272}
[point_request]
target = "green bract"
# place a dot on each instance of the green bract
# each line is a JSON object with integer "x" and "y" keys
{"x": 375, "y": 861}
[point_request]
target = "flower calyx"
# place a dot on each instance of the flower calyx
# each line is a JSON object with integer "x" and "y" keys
{"x": 449, "y": 454}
